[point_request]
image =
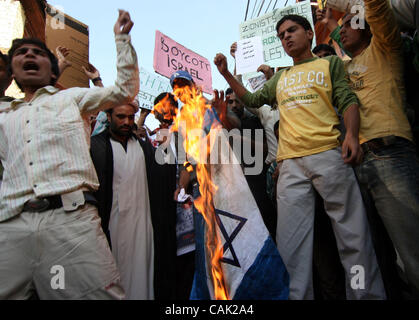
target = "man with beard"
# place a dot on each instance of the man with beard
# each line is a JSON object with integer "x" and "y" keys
{"x": 121, "y": 162}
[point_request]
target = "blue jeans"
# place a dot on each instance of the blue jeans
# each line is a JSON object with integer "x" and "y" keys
{"x": 390, "y": 175}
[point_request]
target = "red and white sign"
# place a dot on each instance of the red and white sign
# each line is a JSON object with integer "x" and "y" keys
{"x": 170, "y": 56}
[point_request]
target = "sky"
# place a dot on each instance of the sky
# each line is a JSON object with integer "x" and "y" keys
{"x": 204, "y": 26}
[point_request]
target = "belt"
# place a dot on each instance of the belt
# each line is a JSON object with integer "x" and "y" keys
{"x": 54, "y": 202}
{"x": 379, "y": 143}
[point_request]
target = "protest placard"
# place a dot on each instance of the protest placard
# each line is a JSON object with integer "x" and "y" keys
{"x": 63, "y": 30}
{"x": 257, "y": 82}
{"x": 265, "y": 27}
{"x": 170, "y": 56}
{"x": 249, "y": 55}
{"x": 151, "y": 85}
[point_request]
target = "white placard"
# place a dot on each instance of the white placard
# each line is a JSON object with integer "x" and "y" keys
{"x": 249, "y": 55}
{"x": 265, "y": 27}
{"x": 151, "y": 85}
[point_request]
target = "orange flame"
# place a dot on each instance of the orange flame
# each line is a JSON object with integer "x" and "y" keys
{"x": 165, "y": 109}
{"x": 190, "y": 122}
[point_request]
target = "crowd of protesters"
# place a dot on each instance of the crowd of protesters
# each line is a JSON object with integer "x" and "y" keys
{"x": 88, "y": 186}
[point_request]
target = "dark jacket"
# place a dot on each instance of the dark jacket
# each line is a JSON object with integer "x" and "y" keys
{"x": 161, "y": 186}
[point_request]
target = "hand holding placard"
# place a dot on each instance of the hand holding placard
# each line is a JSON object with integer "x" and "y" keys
{"x": 249, "y": 55}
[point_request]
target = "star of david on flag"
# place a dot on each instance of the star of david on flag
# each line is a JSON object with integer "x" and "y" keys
{"x": 252, "y": 266}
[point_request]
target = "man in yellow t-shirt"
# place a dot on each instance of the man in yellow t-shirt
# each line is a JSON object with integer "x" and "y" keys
{"x": 389, "y": 174}
{"x": 309, "y": 156}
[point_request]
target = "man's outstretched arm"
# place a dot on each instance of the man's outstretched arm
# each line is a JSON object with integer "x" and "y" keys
{"x": 266, "y": 95}
{"x": 127, "y": 83}
{"x": 221, "y": 62}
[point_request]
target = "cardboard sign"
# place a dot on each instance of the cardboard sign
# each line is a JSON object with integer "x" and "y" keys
{"x": 12, "y": 22}
{"x": 63, "y": 30}
{"x": 170, "y": 56}
{"x": 265, "y": 27}
{"x": 151, "y": 85}
{"x": 249, "y": 55}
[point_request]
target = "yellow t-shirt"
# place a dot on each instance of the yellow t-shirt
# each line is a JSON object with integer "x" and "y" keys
{"x": 376, "y": 76}
{"x": 308, "y": 120}
{"x": 306, "y": 94}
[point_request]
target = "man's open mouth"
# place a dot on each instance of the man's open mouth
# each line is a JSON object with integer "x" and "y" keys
{"x": 30, "y": 66}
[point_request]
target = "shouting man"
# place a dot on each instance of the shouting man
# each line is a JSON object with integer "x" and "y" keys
{"x": 47, "y": 211}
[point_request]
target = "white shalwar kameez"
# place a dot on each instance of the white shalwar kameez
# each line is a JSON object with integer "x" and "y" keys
{"x": 130, "y": 221}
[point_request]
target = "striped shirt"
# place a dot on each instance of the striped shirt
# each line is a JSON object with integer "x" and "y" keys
{"x": 43, "y": 145}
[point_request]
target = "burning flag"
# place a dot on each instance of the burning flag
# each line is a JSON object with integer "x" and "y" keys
{"x": 251, "y": 264}
{"x": 235, "y": 256}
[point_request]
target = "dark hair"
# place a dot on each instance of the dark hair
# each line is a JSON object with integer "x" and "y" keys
{"x": 229, "y": 91}
{"x": 171, "y": 97}
{"x": 324, "y": 47}
{"x": 110, "y": 111}
{"x": 161, "y": 116}
{"x": 367, "y": 26}
{"x": 17, "y": 43}
{"x": 297, "y": 19}
{"x": 5, "y": 82}
{"x": 5, "y": 58}
{"x": 366, "y": 30}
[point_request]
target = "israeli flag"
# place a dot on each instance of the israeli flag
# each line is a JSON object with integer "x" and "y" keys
{"x": 253, "y": 268}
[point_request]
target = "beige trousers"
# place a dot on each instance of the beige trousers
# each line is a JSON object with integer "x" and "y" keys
{"x": 337, "y": 185}
{"x": 58, "y": 255}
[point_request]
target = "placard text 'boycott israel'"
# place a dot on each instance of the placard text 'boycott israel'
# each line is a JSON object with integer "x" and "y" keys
{"x": 170, "y": 56}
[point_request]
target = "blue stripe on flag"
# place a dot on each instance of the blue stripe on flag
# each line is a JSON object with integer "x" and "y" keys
{"x": 267, "y": 278}
{"x": 200, "y": 287}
